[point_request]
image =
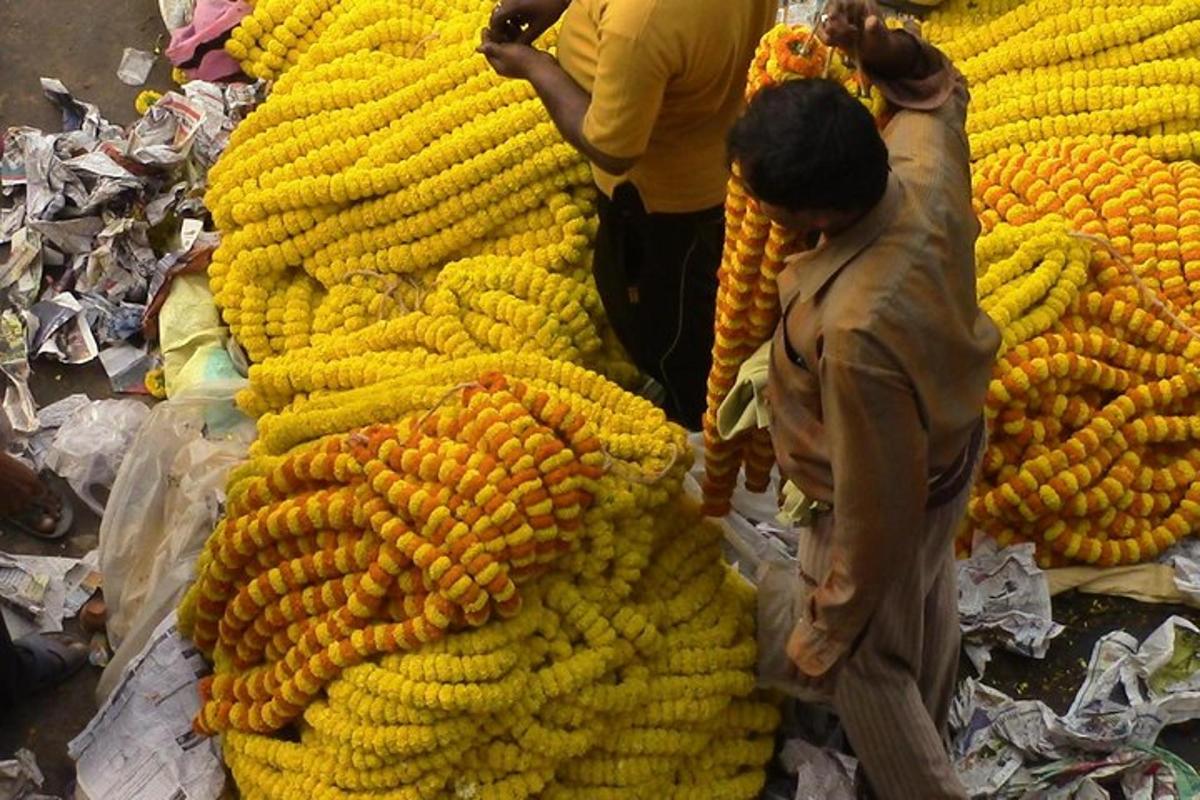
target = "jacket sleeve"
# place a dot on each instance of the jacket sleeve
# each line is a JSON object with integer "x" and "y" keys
{"x": 878, "y": 452}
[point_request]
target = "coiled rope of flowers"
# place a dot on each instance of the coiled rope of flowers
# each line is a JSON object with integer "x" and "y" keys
{"x": 1041, "y": 70}
{"x": 1148, "y": 210}
{"x": 1029, "y": 275}
{"x": 367, "y": 170}
{"x": 359, "y": 544}
{"x": 1093, "y": 453}
{"x": 631, "y": 682}
{"x": 755, "y": 253}
{"x": 485, "y": 304}
{"x": 345, "y": 588}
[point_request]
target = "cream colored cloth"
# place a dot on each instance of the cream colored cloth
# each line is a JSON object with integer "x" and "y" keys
{"x": 1146, "y": 583}
{"x": 745, "y": 407}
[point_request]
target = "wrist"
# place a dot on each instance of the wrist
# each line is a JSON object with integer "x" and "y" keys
{"x": 541, "y": 64}
{"x": 899, "y": 57}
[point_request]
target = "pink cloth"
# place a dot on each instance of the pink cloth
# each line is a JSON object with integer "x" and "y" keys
{"x": 211, "y": 20}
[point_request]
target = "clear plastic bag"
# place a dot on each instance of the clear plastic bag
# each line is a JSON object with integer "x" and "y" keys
{"x": 164, "y": 504}
{"x": 88, "y": 449}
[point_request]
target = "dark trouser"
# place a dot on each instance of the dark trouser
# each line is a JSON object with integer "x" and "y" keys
{"x": 657, "y": 276}
{"x": 10, "y": 668}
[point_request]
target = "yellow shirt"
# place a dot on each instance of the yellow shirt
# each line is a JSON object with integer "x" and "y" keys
{"x": 666, "y": 79}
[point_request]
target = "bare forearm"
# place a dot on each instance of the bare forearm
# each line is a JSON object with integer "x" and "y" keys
{"x": 567, "y": 103}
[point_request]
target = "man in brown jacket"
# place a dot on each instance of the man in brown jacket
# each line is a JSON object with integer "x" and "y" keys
{"x": 877, "y": 379}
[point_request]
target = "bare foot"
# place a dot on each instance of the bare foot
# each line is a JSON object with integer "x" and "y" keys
{"x": 20, "y": 489}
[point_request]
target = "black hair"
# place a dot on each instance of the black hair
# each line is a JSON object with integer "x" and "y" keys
{"x": 808, "y": 145}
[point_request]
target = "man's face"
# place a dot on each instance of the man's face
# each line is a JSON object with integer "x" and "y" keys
{"x": 807, "y": 222}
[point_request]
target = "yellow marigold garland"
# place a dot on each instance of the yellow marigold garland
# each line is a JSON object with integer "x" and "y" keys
{"x": 386, "y": 149}
{"x": 1042, "y": 70}
{"x": 339, "y": 548}
{"x": 593, "y": 690}
{"x": 485, "y": 304}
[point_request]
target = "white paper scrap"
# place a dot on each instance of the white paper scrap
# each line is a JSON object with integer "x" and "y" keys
{"x": 140, "y": 745}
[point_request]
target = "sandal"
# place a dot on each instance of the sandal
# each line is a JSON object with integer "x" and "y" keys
{"x": 52, "y": 502}
{"x": 48, "y": 659}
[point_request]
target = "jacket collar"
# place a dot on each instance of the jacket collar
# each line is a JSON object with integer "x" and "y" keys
{"x": 809, "y": 271}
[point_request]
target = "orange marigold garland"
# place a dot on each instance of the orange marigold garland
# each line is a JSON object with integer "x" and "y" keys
{"x": 1093, "y": 452}
{"x": 756, "y": 250}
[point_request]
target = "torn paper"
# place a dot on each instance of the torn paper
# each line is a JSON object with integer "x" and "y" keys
{"x": 20, "y": 410}
{"x": 1185, "y": 558}
{"x": 141, "y": 745}
{"x": 21, "y": 588}
{"x": 135, "y": 66}
{"x": 821, "y": 773}
{"x": 45, "y": 576}
{"x": 20, "y": 777}
{"x": 97, "y": 218}
{"x": 1003, "y": 599}
{"x": 126, "y": 367}
{"x": 63, "y": 333}
{"x": 1009, "y": 748}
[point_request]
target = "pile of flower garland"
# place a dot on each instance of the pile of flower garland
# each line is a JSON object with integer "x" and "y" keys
{"x": 388, "y": 150}
{"x": 1094, "y": 408}
{"x": 755, "y": 253}
{"x": 375, "y": 529}
{"x": 632, "y": 690}
{"x": 484, "y": 304}
{"x": 459, "y": 563}
{"x": 1045, "y": 69}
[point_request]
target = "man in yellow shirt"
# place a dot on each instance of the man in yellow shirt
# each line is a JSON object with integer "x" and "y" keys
{"x": 647, "y": 90}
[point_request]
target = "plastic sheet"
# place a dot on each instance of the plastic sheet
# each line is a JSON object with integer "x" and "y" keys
{"x": 88, "y": 449}
{"x": 163, "y": 506}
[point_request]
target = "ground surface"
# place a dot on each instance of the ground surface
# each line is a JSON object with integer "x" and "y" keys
{"x": 80, "y": 42}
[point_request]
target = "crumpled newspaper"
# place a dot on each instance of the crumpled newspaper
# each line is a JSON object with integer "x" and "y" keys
{"x": 141, "y": 745}
{"x": 1009, "y": 748}
{"x": 20, "y": 777}
{"x": 1003, "y": 599}
{"x": 821, "y": 773}
{"x": 1185, "y": 557}
{"x": 60, "y": 585}
{"x": 96, "y": 219}
{"x": 135, "y": 66}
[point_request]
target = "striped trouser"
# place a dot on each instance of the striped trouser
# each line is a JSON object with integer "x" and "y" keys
{"x": 893, "y": 691}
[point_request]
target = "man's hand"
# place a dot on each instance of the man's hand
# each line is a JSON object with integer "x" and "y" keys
{"x": 511, "y": 59}
{"x": 856, "y": 27}
{"x": 802, "y": 665}
{"x": 523, "y": 21}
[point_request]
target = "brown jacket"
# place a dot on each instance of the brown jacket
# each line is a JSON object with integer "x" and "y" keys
{"x": 881, "y": 362}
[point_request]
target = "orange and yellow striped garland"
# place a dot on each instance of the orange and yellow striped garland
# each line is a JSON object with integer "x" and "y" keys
{"x": 1094, "y": 423}
{"x": 756, "y": 251}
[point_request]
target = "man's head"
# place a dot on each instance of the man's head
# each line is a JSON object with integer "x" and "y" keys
{"x": 811, "y": 154}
